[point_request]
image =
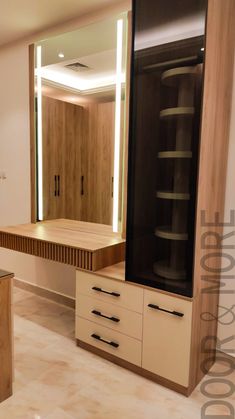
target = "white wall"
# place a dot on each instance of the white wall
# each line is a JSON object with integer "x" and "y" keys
{"x": 15, "y": 156}
{"x": 15, "y": 161}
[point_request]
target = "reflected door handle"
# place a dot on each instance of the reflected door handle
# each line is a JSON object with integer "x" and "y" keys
{"x": 58, "y": 190}
{"x": 82, "y": 185}
{"x": 112, "y": 187}
{"x": 55, "y": 185}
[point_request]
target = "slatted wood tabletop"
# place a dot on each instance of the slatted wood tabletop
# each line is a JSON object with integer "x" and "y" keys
{"x": 88, "y": 246}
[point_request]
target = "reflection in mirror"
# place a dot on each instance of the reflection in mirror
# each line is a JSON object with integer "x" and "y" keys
{"x": 80, "y": 102}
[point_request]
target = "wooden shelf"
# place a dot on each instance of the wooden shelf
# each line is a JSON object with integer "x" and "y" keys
{"x": 173, "y": 195}
{"x": 180, "y": 111}
{"x": 163, "y": 269}
{"x": 174, "y": 76}
{"x": 84, "y": 245}
{"x": 175, "y": 155}
{"x": 166, "y": 233}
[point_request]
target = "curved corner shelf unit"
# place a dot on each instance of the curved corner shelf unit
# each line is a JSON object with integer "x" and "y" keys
{"x": 173, "y": 195}
{"x": 166, "y": 233}
{"x": 162, "y": 268}
{"x": 175, "y": 155}
{"x": 180, "y": 111}
{"x": 175, "y": 76}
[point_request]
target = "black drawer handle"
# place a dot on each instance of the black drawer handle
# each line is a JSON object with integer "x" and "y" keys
{"x": 114, "y": 294}
{"x": 175, "y": 313}
{"x": 98, "y": 313}
{"x": 109, "y": 342}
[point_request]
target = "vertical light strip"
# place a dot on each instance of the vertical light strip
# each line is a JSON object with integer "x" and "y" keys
{"x": 117, "y": 126}
{"x": 39, "y": 134}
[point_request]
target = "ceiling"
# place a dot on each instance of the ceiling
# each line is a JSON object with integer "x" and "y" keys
{"x": 21, "y": 18}
{"x": 93, "y": 54}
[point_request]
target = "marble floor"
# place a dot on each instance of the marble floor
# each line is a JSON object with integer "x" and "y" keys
{"x": 56, "y": 380}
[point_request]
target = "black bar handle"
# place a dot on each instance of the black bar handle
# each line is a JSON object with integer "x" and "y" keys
{"x": 114, "y": 294}
{"x": 113, "y": 319}
{"x": 55, "y": 185}
{"x": 58, "y": 193}
{"x": 82, "y": 185}
{"x": 109, "y": 342}
{"x": 112, "y": 187}
{"x": 174, "y": 313}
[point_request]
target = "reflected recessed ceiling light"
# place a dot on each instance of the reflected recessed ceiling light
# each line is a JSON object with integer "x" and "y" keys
{"x": 61, "y": 55}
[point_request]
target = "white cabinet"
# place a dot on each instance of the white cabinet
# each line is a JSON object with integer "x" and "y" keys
{"x": 109, "y": 316}
{"x": 167, "y": 336}
{"x": 147, "y": 328}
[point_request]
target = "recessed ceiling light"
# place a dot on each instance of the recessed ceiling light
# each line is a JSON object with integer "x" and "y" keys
{"x": 61, "y": 55}
{"x": 202, "y": 49}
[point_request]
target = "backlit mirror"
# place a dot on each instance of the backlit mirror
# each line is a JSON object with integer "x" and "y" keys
{"x": 80, "y": 113}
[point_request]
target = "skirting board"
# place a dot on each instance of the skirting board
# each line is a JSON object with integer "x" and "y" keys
{"x": 134, "y": 368}
{"x": 42, "y": 292}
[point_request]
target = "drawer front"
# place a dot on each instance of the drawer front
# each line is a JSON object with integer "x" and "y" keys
{"x": 110, "y": 315}
{"x": 110, "y": 291}
{"x": 109, "y": 340}
{"x": 167, "y": 336}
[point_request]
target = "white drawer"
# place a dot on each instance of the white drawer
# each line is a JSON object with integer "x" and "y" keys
{"x": 116, "y": 318}
{"x": 110, "y": 291}
{"x": 112, "y": 342}
{"x": 167, "y": 337}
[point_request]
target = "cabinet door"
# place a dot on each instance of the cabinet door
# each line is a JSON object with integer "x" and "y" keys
{"x": 167, "y": 336}
{"x": 53, "y": 119}
{"x": 97, "y": 162}
{"x": 62, "y": 154}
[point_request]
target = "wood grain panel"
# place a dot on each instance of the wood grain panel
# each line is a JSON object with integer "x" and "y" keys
{"x": 83, "y": 245}
{"x": 6, "y": 365}
{"x": 97, "y": 162}
{"x": 62, "y": 142}
{"x": 78, "y": 142}
{"x": 219, "y": 66}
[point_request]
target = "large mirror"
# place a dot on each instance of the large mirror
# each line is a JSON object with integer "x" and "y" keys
{"x": 80, "y": 82}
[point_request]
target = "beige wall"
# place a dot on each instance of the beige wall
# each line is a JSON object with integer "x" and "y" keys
{"x": 15, "y": 158}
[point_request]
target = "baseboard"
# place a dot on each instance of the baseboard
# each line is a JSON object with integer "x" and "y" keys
{"x": 43, "y": 292}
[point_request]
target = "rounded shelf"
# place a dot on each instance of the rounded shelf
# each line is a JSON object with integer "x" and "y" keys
{"x": 173, "y": 195}
{"x": 175, "y": 155}
{"x": 166, "y": 233}
{"x": 173, "y": 77}
{"x": 180, "y": 111}
{"x": 163, "y": 269}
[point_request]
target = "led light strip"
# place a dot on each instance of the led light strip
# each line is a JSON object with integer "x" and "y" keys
{"x": 117, "y": 126}
{"x": 39, "y": 134}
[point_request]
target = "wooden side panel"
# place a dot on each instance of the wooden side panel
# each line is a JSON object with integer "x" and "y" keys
{"x": 6, "y": 370}
{"x": 212, "y": 167}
